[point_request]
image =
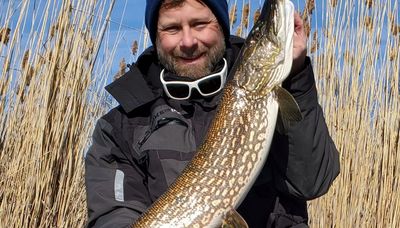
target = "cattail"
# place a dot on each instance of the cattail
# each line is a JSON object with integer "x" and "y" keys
{"x": 134, "y": 47}
{"x": 257, "y": 14}
{"x": 233, "y": 14}
{"x": 5, "y": 35}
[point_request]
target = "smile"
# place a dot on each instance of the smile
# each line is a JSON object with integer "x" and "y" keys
{"x": 191, "y": 59}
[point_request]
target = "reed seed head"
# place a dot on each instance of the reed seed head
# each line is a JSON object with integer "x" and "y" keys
{"x": 245, "y": 15}
{"x": 369, "y": 3}
{"x": 334, "y": 3}
{"x": 25, "y": 59}
{"x": 395, "y": 29}
{"x": 257, "y": 14}
{"x": 239, "y": 31}
{"x": 122, "y": 69}
{"x": 368, "y": 23}
{"x": 134, "y": 47}
{"x": 5, "y": 35}
{"x": 310, "y": 6}
{"x": 314, "y": 43}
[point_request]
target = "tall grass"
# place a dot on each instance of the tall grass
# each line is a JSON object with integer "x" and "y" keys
{"x": 47, "y": 109}
{"x": 49, "y": 101}
{"x": 357, "y": 69}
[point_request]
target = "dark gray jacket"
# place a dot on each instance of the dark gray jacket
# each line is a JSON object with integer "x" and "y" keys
{"x": 141, "y": 146}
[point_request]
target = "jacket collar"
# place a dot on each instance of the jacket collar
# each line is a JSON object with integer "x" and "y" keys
{"x": 141, "y": 84}
{"x": 136, "y": 87}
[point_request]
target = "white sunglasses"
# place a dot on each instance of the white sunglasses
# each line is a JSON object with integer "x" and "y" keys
{"x": 206, "y": 86}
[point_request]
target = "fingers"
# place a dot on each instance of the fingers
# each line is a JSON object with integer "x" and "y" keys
{"x": 299, "y": 44}
{"x": 298, "y": 23}
{"x": 297, "y": 19}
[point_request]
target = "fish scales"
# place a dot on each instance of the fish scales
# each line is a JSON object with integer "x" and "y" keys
{"x": 237, "y": 143}
{"x": 198, "y": 181}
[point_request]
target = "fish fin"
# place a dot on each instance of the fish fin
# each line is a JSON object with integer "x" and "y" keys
{"x": 280, "y": 126}
{"x": 233, "y": 220}
{"x": 288, "y": 109}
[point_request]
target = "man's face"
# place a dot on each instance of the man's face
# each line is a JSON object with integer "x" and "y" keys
{"x": 189, "y": 39}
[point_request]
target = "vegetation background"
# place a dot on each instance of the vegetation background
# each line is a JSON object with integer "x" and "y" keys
{"x": 51, "y": 95}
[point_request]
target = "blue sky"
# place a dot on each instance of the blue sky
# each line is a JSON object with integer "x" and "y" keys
{"x": 126, "y": 24}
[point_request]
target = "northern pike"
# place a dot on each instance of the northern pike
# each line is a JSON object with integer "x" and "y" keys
{"x": 237, "y": 144}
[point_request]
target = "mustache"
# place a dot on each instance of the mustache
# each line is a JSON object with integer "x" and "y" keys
{"x": 196, "y": 53}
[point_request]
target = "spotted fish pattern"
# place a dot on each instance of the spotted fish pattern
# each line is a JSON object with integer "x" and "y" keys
{"x": 237, "y": 144}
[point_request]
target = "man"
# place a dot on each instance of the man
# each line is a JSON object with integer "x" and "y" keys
{"x": 140, "y": 147}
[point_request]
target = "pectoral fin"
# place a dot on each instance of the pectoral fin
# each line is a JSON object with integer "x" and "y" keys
{"x": 288, "y": 109}
{"x": 233, "y": 220}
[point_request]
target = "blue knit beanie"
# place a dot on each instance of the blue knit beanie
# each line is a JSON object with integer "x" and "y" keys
{"x": 218, "y": 7}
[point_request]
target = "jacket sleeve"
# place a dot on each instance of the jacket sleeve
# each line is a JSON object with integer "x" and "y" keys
{"x": 115, "y": 191}
{"x": 305, "y": 160}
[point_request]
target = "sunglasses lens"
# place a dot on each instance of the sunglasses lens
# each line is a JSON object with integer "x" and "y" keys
{"x": 211, "y": 85}
{"x": 178, "y": 90}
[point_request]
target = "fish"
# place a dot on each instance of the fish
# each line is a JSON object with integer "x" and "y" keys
{"x": 236, "y": 147}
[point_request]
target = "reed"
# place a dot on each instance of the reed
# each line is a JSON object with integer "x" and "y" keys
{"x": 47, "y": 108}
{"x": 357, "y": 74}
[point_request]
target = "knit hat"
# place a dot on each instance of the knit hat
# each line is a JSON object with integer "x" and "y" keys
{"x": 218, "y": 7}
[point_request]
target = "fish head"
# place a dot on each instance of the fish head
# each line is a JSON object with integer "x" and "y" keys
{"x": 266, "y": 58}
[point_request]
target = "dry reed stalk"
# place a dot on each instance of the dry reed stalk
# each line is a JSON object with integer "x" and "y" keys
{"x": 233, "y": 14}
{"x": 314, "y": 43}
{"x": 334, "y": 3}
{"x": 310, "y": 6}
{"x": 358, "y": 81}
{"x": 47, "y": 116}
{"x": 44, "y": 126}
{"x": 245, "y": 15}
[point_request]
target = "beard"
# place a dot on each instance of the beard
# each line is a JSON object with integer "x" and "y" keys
{"x": 212, "y": 56}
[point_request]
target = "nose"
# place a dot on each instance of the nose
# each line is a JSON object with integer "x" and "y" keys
{"x": 188, "y": 41}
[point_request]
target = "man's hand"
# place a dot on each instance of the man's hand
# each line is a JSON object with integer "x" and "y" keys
{"x": 299, "y": 45}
